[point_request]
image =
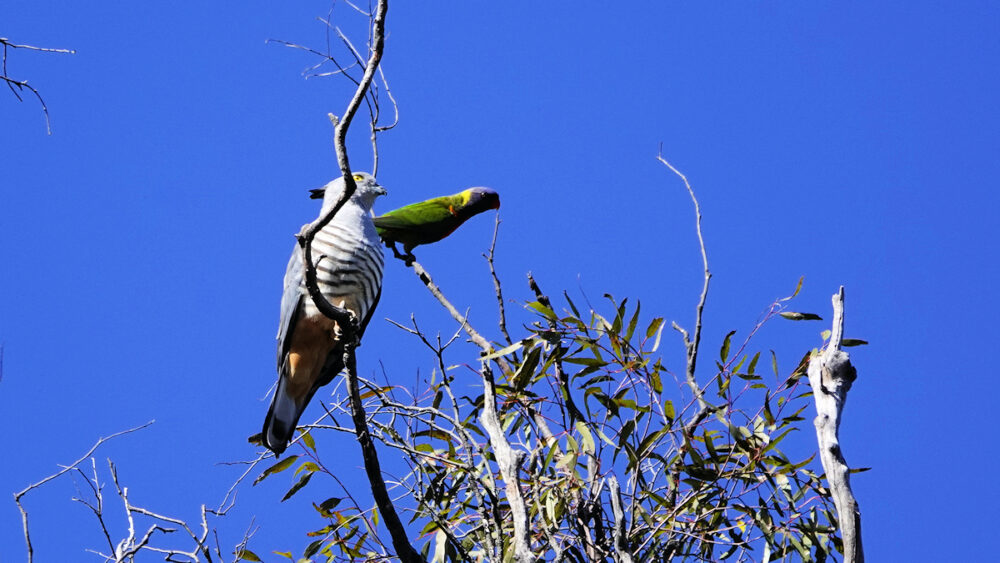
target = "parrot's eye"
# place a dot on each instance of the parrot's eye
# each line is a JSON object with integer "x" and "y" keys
{"x": 359, "y": 178}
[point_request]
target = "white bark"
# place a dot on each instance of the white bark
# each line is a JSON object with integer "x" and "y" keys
{"x": 831, "y": 375}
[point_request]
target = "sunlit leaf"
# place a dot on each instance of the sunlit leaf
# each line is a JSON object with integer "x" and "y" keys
{"x": 524, "y": 372}
{"x": 326, "y": 507}
{"x": 724, "y": 352}
{"x": 794, "y": 316}
{"x": 545, "y": 311}
{"x": 276, "y": 468}
{"x": 307, "y": 439}
{"x": 586, "y": 436}
{"x": 633, "y": 322}
{"x": 297, "y": 486}
{"x": 247, "y": 555}
{"x": 504, "y": 351}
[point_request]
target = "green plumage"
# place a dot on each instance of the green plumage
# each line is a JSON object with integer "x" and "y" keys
{"x": 432, "y": 220}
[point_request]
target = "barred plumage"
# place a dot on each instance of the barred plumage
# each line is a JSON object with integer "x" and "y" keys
{"x": 349, "y": 262}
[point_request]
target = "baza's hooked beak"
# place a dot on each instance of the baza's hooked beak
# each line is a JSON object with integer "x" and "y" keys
{"x": 380, "y": 190}
{"x": 318, "y": 193}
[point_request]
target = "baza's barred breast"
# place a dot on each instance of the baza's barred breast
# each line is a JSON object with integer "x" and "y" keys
{"x": 349, "y": 262}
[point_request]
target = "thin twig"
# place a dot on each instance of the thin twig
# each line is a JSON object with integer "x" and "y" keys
{"x": 70, "y": 467}
{"x": 692, "y": 344}
{"x": 496, "y": 281}
{"x": 23, "y": 84}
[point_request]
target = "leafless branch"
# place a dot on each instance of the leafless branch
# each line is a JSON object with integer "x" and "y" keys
{"x": 692, "y": 344}
{"x": 496, "y": 281}
{"x": 831, "y": 376}
{"x": 66, "y": 469}
{"x": 22, "y": 85}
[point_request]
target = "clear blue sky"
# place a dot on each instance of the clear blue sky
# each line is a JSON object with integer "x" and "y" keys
{"x": 144, "y": 241}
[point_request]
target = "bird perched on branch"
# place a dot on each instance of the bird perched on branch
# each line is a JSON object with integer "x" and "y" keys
{"x": 349, "y": 263}
{"x": 432, "y": 220}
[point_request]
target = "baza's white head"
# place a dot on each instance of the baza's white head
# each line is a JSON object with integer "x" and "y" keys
{"x": 364, "y": 196}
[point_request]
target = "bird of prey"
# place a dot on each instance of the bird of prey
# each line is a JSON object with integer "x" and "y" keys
{"x": 349, "y": 263}
{"x": 432, "y": 220}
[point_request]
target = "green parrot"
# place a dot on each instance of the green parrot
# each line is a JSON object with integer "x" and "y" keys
{"x": 432, "y": 220}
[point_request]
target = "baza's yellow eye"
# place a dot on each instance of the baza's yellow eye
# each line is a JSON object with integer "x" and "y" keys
{"x": 359, "y": 178}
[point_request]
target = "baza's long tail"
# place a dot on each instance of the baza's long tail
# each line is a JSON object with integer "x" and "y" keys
{"x": 282, "y": 417}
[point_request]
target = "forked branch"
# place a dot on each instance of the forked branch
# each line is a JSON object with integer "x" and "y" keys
{"x": 66, "y": 469}
{"x": 15, "y": 85}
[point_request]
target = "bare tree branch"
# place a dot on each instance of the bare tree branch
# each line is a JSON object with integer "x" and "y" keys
{"x": 22, "y": 85}
{"x": 66, "y": 469}
{"x": 831, "y": 376}
{"x": 496, "y": 281}
{"x": 692, "y": 344}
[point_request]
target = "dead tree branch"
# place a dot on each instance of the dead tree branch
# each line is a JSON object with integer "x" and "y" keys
{"x": 66, "y": 469}
{"x": 17, "y": 86}
{"x": 692, "y": 344}
{"x": 831, "y": 376}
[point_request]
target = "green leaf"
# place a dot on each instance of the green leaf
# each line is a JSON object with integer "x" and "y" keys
{"x": 326, "y": 507}
{"x": 635, "y": 320}
{"x": 655, "y": 383}
{"x": 649, "y": 441}
{"x": 724, "y": 352}
{"x": 798, "y": 287}
{"x": 588, "y": 438}
{"x": 793, "y": 316}
{"x": 276, "y": 468}
{"x": 626, "y": 432}
{"x": 527, "y": 368}
{"x": 545, "y": 311}
{"x": 295, "y": 488}
{"x": 658, "y": 331}
{"x": 753, "y": 364}
{"x": 309, "y": 466}
{"x": 307, "y": 439}
{"x": 654, "y": 327}
{"x": 504, "y": 351}
{"x": 853, "y": 342}
{"x": 312, "y": 548}
{"x": 246, "y": 555}
{"x": 668, "y": 410}
{"x": 571, "y": 304}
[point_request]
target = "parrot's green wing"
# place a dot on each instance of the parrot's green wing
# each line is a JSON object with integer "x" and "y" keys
{"x": 422, "y": 215}
{"x": 432, "y": 220}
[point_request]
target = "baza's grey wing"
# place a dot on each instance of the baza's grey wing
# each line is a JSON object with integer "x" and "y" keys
{"x": 291, "y": 302}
